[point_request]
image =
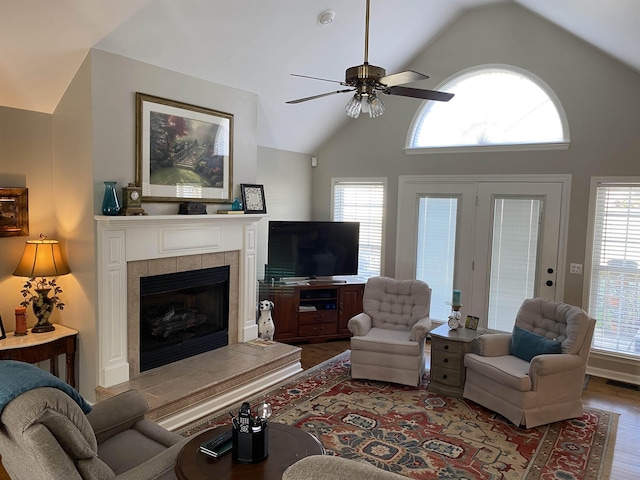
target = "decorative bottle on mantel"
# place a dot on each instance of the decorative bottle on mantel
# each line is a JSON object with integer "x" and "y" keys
{"x": 110, "y": 204}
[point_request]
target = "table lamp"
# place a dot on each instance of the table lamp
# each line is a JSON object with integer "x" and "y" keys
{"x": 42, "y": 258}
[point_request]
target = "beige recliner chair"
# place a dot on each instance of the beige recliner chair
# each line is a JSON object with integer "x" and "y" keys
{"x": 45, "y": 435}
{"x": 388, "y": 339}
{"x": 511, "y": 374}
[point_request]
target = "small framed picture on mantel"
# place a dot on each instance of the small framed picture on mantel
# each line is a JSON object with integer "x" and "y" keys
{"x": 253, "y": 198}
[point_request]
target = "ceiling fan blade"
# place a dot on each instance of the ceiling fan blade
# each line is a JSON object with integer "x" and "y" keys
{"x": 401, "y": 78}
{"x": 419, "y": 93}
{"x": 300, "y": 100}
{"x": 317, "y": 78}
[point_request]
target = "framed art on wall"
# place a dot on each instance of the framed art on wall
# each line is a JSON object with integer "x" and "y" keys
{"x": 253, "y": 198}
{"x": 14, "y": 212}
{"x": 183, "y": 152}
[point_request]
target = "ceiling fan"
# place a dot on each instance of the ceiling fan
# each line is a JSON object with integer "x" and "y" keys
{"x": 367, "y": 81}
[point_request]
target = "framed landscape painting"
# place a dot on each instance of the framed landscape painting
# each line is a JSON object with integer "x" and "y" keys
{"x": 184, "y": 152}
{"x": 14, "y": 212}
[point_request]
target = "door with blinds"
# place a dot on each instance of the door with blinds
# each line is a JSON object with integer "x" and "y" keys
{"x": 497, "y": 241}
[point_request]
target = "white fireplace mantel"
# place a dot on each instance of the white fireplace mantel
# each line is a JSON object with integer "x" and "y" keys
{"x": 121, "y": 239}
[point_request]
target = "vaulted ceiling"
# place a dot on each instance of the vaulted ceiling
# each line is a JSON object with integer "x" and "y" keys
{"x": 255, "y": 45}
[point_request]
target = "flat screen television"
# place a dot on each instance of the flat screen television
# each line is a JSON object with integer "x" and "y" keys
{"x": 312, "y": 249}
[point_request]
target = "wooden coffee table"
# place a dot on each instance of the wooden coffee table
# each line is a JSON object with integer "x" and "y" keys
{"x": 287, "y": 445}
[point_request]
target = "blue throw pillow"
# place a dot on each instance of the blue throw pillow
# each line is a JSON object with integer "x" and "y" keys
{"x": 526, "y": 345}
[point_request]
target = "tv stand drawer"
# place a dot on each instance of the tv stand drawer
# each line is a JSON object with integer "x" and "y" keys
{"x": 318, "y": 329}
{"x": 319, "y": 316}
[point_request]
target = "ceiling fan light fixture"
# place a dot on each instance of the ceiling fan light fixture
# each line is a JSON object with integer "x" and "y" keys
{"x": 376, "y": 107}
{"x": 354, "y": 106}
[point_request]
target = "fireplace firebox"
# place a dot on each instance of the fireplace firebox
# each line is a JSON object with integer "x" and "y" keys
{"x": 183, "y": 314}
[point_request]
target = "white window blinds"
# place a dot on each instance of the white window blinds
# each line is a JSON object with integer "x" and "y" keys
{"x": 614, "y": 293}
{"x": 362, "y": 202}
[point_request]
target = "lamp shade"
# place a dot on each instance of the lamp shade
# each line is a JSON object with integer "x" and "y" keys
{"x": 41, "y": 258}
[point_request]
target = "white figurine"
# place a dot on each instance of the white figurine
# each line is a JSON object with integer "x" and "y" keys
{"x": 266, "y": 327}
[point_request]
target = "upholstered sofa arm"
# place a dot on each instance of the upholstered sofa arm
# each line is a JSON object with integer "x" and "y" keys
{"x": 492, "y": 344}
{"x": 328, "y": 467}
{"x": 116, "y": 414}
{"x": 159, "y": 467}
{"x": 420, "y": 329}
{"x": 360, "y": 324}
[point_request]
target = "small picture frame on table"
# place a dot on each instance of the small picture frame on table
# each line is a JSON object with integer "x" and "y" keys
{"x": 253, "y": 198}
{"x": 472, "y": 322}
{"x": 2, "y": 332}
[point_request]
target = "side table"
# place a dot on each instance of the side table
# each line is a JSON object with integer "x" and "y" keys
{"x": 38, "y": 347}
{"x": 448, "y": 348}
{"x": 287, "y": 445}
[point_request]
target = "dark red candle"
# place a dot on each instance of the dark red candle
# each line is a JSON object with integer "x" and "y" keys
{"x": 21, "y": 321}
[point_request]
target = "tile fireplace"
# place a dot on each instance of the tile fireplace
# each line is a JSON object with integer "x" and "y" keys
{"x": 133, "y": 249}
{"x": 183, "y": 314}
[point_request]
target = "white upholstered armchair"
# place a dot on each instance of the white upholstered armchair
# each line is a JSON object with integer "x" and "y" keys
{"x": 534, "y": 375}
{"x": 389, "y": 335}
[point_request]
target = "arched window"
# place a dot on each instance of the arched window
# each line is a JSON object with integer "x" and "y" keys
{"x": 494, "y": 106}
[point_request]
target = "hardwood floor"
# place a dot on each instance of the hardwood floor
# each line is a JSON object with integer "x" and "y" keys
{"x": 599, "y": 394}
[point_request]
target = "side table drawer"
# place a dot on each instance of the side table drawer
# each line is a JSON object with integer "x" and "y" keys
{"x": 447, "y": 376}
{"x": 447, "y": 346}
{"x": 447, "y": 360}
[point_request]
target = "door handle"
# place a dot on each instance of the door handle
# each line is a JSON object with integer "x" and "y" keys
{"x": 549, "y": 283}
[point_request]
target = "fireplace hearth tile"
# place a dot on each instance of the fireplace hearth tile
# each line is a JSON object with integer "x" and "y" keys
{"x": 172, "y": 388}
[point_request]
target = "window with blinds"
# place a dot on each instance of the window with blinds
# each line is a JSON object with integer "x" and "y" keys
{"x": 363, "y": 201}
{"x": 614, "y": 292}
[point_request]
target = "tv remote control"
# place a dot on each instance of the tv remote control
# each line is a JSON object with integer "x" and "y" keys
{"x": 217, "y": 441}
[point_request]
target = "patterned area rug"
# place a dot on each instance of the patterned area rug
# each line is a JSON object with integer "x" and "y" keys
{"x": 423, "y": 435}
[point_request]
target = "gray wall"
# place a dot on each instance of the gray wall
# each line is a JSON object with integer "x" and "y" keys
{"x": 64, "y": 159}
{"x": 115, "y": 81}
{"x": 286, "y": 177}
{"x": 601, "y": 98}
{"x": 25, "y": 161}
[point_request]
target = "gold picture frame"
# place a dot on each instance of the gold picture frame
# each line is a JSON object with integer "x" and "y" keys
{"x": 183, "y": 152}
{"x": 472, "y": 322}
{"x": 14, "y": 212}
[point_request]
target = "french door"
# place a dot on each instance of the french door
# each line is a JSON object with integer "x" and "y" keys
{"x": 497, "y": 239}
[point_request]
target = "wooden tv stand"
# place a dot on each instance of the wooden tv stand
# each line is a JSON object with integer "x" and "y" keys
{"x": 313, "y": 311}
